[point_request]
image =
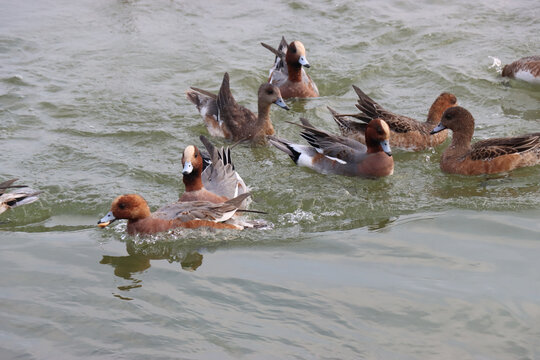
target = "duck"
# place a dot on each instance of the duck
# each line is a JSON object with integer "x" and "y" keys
{"x": 407, "y": 133}
{"x": 288, "y": 71}
{"x": 486, "y": 156}
{"x": 526, "y": 69}
{"x": 334, "y": 154}
{"x": 217, "y": 182}
{"x": 22, "y": 196}
{"x": 224, "y": 117}
{"x": 190, "y": 214}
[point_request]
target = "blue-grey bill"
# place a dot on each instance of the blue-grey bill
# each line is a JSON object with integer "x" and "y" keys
{"x": 303, "y": 61}
{"x": 385, "y": 144}
{"x": 106, "y": 220}
{"x": 188, "y": 168}
{"x": 279, "y": 102}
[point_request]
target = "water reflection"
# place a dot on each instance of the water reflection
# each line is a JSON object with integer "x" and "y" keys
{"x": 141, "y": 254}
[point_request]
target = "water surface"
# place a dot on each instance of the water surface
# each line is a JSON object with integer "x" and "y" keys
{"x": 414, "y": 266}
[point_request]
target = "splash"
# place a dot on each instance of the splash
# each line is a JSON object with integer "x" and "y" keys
{"x": 497, "y": 63}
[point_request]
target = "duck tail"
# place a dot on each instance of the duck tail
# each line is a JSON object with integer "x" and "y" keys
{"x": 367, "y": 105}
{"x": 285, "y": 146}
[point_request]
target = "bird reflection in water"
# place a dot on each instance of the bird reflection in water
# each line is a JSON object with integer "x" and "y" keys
{"x": 139, "y": 258}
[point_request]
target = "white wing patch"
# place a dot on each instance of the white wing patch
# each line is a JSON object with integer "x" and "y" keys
{"x": 336, "y": 159}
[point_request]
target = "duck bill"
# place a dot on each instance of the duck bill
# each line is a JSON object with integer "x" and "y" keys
{"x": 106, "y": 220}
{"x": 279, "y": 102}
{"x": 303, "y": 61}
{"x": 438, "y": 128}
{"x": 385, "y": 145}
{"x": 188, "y": 168}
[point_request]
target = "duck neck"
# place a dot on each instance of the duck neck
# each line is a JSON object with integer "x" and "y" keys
{"x": 461, "y": 142}
{"x": 435, "y": 114}
{"x": 373, "y": 146}
{"x": 263, "y": 118}
{"x": 193, "y": 181}
{"x": 295, "y": 72}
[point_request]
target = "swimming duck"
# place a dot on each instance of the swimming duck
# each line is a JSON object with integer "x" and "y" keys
{"x": 191, "y": 214}
{"x": 334, "y": 154}
{"x": 217, "y": 182}
{"x": 23, "y": 195}
{"x": 288, "y": 72}
{"x": 224, "y": 117}
{"x": 526, "y": 69}
{"x": 485, "y": 156}
{"x": 407, "y": 133}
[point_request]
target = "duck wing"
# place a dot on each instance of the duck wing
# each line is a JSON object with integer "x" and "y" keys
{"x": 233, "y": 115}
{"x": 335, "y": 146}
{"x": 492, "y": 148}
{"x": 371, "y": 110}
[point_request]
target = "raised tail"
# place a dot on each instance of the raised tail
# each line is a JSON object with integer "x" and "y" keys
{"x": 349, "y": 126}
{"x": 367, "y": 105}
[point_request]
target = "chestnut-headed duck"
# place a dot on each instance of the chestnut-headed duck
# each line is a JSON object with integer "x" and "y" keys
{"x": 288, "y": 72}
{"x": 334, "y": 154}
{"x": 217, "y": 182}
{"x": 526, "y": 69}
{"x": 21, "y": 196}
{"x": 485, "y": 156}
{"x": 407, "y": 133}
{"x": 191, "y": 214}
{"x": 224, "y": 117}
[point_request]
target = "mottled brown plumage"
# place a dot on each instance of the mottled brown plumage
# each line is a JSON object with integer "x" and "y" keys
{"x": 406, "y": 132}
{"x": 486, "y": 156}
{"x": 224, "y": 117}
{"x": 527, "y": 69}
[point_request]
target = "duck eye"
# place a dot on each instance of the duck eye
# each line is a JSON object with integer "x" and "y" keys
{"x": 122, "y": 206}
{"x": 270, "y": 91}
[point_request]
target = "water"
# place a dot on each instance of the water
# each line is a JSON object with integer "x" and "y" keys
{"x": 418, "y": 265}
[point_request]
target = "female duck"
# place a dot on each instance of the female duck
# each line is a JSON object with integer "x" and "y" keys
{"x": 224, "y": 117}
{"x": 407, "y": 133}
{"x": 526, "y": 69}
{"x": 486, "y": 156}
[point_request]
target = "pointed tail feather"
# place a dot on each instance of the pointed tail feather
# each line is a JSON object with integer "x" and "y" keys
{"x": 366, "y": 104}
{"x": 284, "y": 146}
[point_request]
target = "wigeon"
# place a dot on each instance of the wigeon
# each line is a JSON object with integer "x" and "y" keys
{"x": 191, "y": 214}
{"x": 407, "y": 133}
{"x": 334, "y": 154}
{"x": 224, "y": 117}
{"x": 485, "y": 156}
{"x": 217, "y": 182}
{"x": 288, "y": 72}
{"x": 526, "y": 69}
{"x": 23, "y": 195}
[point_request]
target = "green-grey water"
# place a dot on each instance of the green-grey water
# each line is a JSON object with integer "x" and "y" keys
{"x": 419, "y": 265}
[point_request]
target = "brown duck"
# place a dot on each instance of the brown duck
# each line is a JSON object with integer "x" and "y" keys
{"x": 224, "y": 117}
{"x": 485, "y": 156}
{"x": 406, "y": 132}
